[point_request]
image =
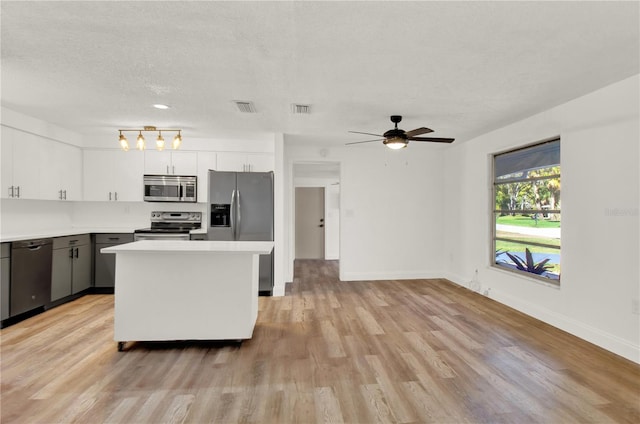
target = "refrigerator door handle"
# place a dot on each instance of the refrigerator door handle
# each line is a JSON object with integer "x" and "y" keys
{"x": 239, "y": 216}
{"x": 233, "y": 214}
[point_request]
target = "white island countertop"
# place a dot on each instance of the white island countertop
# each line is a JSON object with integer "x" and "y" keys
{"x": 259, "y": 247}
{"x": 186, "y": 289}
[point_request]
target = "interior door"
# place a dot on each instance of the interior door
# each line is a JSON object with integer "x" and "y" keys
{"x": 309, "y": 224}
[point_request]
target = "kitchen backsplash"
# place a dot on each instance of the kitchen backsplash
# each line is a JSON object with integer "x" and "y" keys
{"x": 25, "y": 216}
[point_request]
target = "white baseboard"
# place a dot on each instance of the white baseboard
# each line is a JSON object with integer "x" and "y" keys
{"x": 396, "y": 275}
{"x": 594, "y": 335}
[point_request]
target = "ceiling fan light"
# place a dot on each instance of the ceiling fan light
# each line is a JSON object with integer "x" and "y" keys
{"x": 160, "y": 142}
{"x": 396, "y": 143}
{"x": 124, "y": 143}
{"x": 177, "y": 141}
{"x": 140, "y": 143}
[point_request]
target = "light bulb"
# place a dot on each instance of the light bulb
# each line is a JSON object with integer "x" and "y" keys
{"x": 177, "y": 141}
{"x": 160, "y": 142}
{"x": 396, "y": 143}
{"x": 124, "y": 143}
{"x": 140, "y": 143}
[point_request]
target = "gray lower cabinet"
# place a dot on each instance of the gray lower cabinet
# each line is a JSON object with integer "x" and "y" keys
{"x": 71, "y": 268}
{"x": 5, "y": 270}
{"x": 105, "y": 264}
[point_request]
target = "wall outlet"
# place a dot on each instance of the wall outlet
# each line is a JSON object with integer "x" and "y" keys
{"x": 635, "y": 306}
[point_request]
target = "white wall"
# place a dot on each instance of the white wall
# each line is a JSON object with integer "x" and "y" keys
{"x": 600, "y": 198}
{"x": 391, "y": 209}
{"x": 39, "y": 127}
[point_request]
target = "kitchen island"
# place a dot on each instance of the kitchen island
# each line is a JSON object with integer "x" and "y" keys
{"x": 186, "y": 290}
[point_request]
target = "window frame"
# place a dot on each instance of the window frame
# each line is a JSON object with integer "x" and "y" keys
{"x": 495, "y": 211}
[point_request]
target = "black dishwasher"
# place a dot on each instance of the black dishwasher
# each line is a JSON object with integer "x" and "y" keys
{"x": 30, "y": 274}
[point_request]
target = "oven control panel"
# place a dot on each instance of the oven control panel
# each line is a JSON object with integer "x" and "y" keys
{"x": 161, "y": 216}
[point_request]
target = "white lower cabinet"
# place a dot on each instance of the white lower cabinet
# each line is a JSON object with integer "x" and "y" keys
{"x": 113, "y": 175}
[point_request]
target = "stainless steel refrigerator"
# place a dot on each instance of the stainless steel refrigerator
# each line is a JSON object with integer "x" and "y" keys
{"x": 240, "y": 208}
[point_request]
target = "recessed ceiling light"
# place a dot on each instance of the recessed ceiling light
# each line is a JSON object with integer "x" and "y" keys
{"x": 161, "y": 106}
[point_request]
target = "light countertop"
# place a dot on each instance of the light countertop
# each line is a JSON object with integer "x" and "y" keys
{"x": 178, "y": 246}
{"x": 61, "y": 232}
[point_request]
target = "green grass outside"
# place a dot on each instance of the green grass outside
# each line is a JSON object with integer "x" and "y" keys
{"x": 526, "y": 221}
{"x": 528, "y": 238}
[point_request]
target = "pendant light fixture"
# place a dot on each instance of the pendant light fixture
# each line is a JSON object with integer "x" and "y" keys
{"x": 141, "y": 142}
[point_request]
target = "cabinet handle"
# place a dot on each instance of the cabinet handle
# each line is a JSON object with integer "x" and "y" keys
{"x": 11, "y": 191}
{"x": 173, "y": 169}
{"x": 167, "y": 169}
{"x": 109, "y": 196}
{"x": 60, "y": 194}
{"x": 65, "y": 194}
{"x": 77, "y": 253}
{"x": 18, "y": 191}
{"x": 116, "y": 195}
{"x": 71, "y": 252}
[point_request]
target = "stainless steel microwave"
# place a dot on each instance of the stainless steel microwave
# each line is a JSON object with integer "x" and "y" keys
{"x": 170, "y": 188}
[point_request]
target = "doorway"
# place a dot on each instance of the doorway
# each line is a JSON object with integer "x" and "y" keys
{"x": 309, "y": 223}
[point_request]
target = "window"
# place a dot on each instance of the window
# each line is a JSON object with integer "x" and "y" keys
{"x": 526, "y": 198}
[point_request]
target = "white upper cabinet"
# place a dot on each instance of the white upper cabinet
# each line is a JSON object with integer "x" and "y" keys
{"x": 206, "y": 161}
{"x": 20, "y": 164}
{"x": 60, "y": 172}
{"x": 170, "y": 163}
{"x": 113, "y": 175}
{"x": 245, "y": 162}
{"x": 36, "y": 168}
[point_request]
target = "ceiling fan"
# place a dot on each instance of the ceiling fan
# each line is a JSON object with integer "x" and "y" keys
{"x": 397, "y": 138}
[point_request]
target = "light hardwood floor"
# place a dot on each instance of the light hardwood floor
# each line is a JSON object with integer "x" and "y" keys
{"x": 360, "y": 352}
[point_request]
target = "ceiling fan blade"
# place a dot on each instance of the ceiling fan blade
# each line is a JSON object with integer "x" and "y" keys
{"x": 366, "y": 141}
{"x": 432, "y": 139}
{"x": 418, "y": 131}
{"x": 358, "y": 132}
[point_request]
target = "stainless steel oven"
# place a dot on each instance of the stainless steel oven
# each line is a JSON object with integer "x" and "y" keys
{"x": 170, "y": 226}
{"x": 170, "y": 188}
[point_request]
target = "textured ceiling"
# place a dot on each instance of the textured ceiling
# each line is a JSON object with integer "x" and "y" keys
{"x": 460, "y": 68}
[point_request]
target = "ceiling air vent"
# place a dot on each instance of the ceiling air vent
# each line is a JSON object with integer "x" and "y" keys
{"x": 245, "y": 107}
{"x": 301, "y": 109}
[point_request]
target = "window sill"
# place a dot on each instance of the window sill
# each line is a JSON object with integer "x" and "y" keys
{"x": 527, "y": 276}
